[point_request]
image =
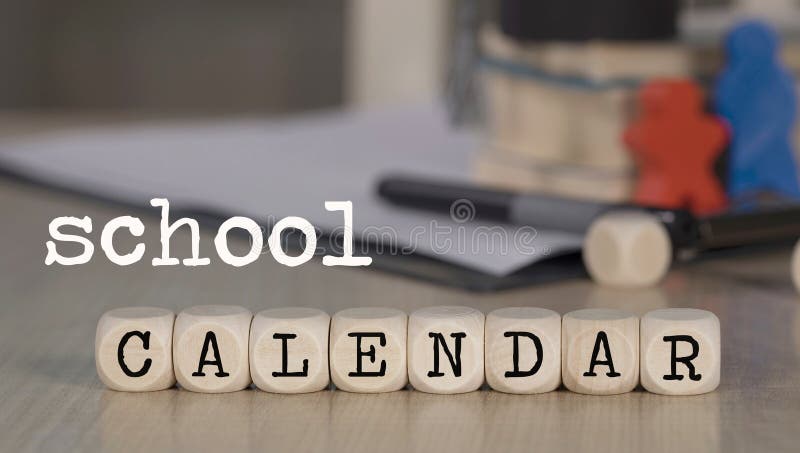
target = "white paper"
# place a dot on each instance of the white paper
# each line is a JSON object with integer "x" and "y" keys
{"x": 259, "y": 168}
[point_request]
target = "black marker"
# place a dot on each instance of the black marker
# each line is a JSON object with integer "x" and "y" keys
{"x": 687, "y": 232}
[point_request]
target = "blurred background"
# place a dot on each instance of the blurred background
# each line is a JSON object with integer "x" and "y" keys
{"x": 271, "y": 56}
{"x": 220, "y": 57}
{"x": 550, "y": 86}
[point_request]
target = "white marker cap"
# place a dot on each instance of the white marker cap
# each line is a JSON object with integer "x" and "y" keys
{"x": 627, "y": 249}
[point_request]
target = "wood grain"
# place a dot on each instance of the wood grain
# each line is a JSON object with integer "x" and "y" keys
{"x": 52, "y": 399}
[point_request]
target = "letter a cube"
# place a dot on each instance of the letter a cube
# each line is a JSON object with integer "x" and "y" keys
{"x": 600, "y": 351}
{"x": 211, "y": 348}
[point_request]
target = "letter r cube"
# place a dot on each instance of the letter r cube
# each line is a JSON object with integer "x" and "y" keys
{"x": 680, "y": 350}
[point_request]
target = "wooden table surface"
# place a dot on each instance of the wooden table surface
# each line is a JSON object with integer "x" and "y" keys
{"x": 51, "y": 398}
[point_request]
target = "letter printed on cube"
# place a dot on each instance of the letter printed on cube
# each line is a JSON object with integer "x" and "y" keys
{"x": 445, "y": 349}
{"x": 680, "y": 351}
{"x": 600, "y": 351}
{"x": 523, "y": 350}
{"x": 133, "y": 349}
{"x": 368, "y": 349}
{"x": 210, "y": 348}
{"x": 289, "y": 350}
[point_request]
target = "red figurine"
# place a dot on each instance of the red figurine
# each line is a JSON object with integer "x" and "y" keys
{"x": 675, "y": 144}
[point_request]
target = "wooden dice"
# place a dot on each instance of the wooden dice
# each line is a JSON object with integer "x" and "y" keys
{"x": 445, "y": 349}
{"x": 795, "y": 266}
{"x": 210, "y": 348}
{"x": 368, "y": 350}
{"x": 133, "y": 349}
{"x": 523, "y": 350}
{"x": 600, "y": 351}
{"x": 289, "y": 350}
{"x": 680, "y": 351}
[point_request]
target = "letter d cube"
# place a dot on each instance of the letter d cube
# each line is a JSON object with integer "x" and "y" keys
{"x": 523, "y": 350}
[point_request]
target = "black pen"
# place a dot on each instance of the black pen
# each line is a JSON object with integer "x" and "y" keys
{"x": 540, "y": 211}
{"x": 687, "y": 234}
{"x": 768, "y": 223}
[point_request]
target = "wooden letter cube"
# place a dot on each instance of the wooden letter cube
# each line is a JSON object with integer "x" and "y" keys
{"x": 368, "y": 350}
{"x": 523, "y": 350}
{"x": 680, "y": 351}
{"x": 289, "y": 350}
{"x": 445, "y": 349}
{"x": 133, "y": 349}
{"x": 210, "y": 348}
{"x": 795, "y": 263}
{"x": 600, "y": 351}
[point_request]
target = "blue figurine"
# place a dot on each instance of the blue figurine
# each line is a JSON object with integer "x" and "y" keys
{"x": 756, "y": 95}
